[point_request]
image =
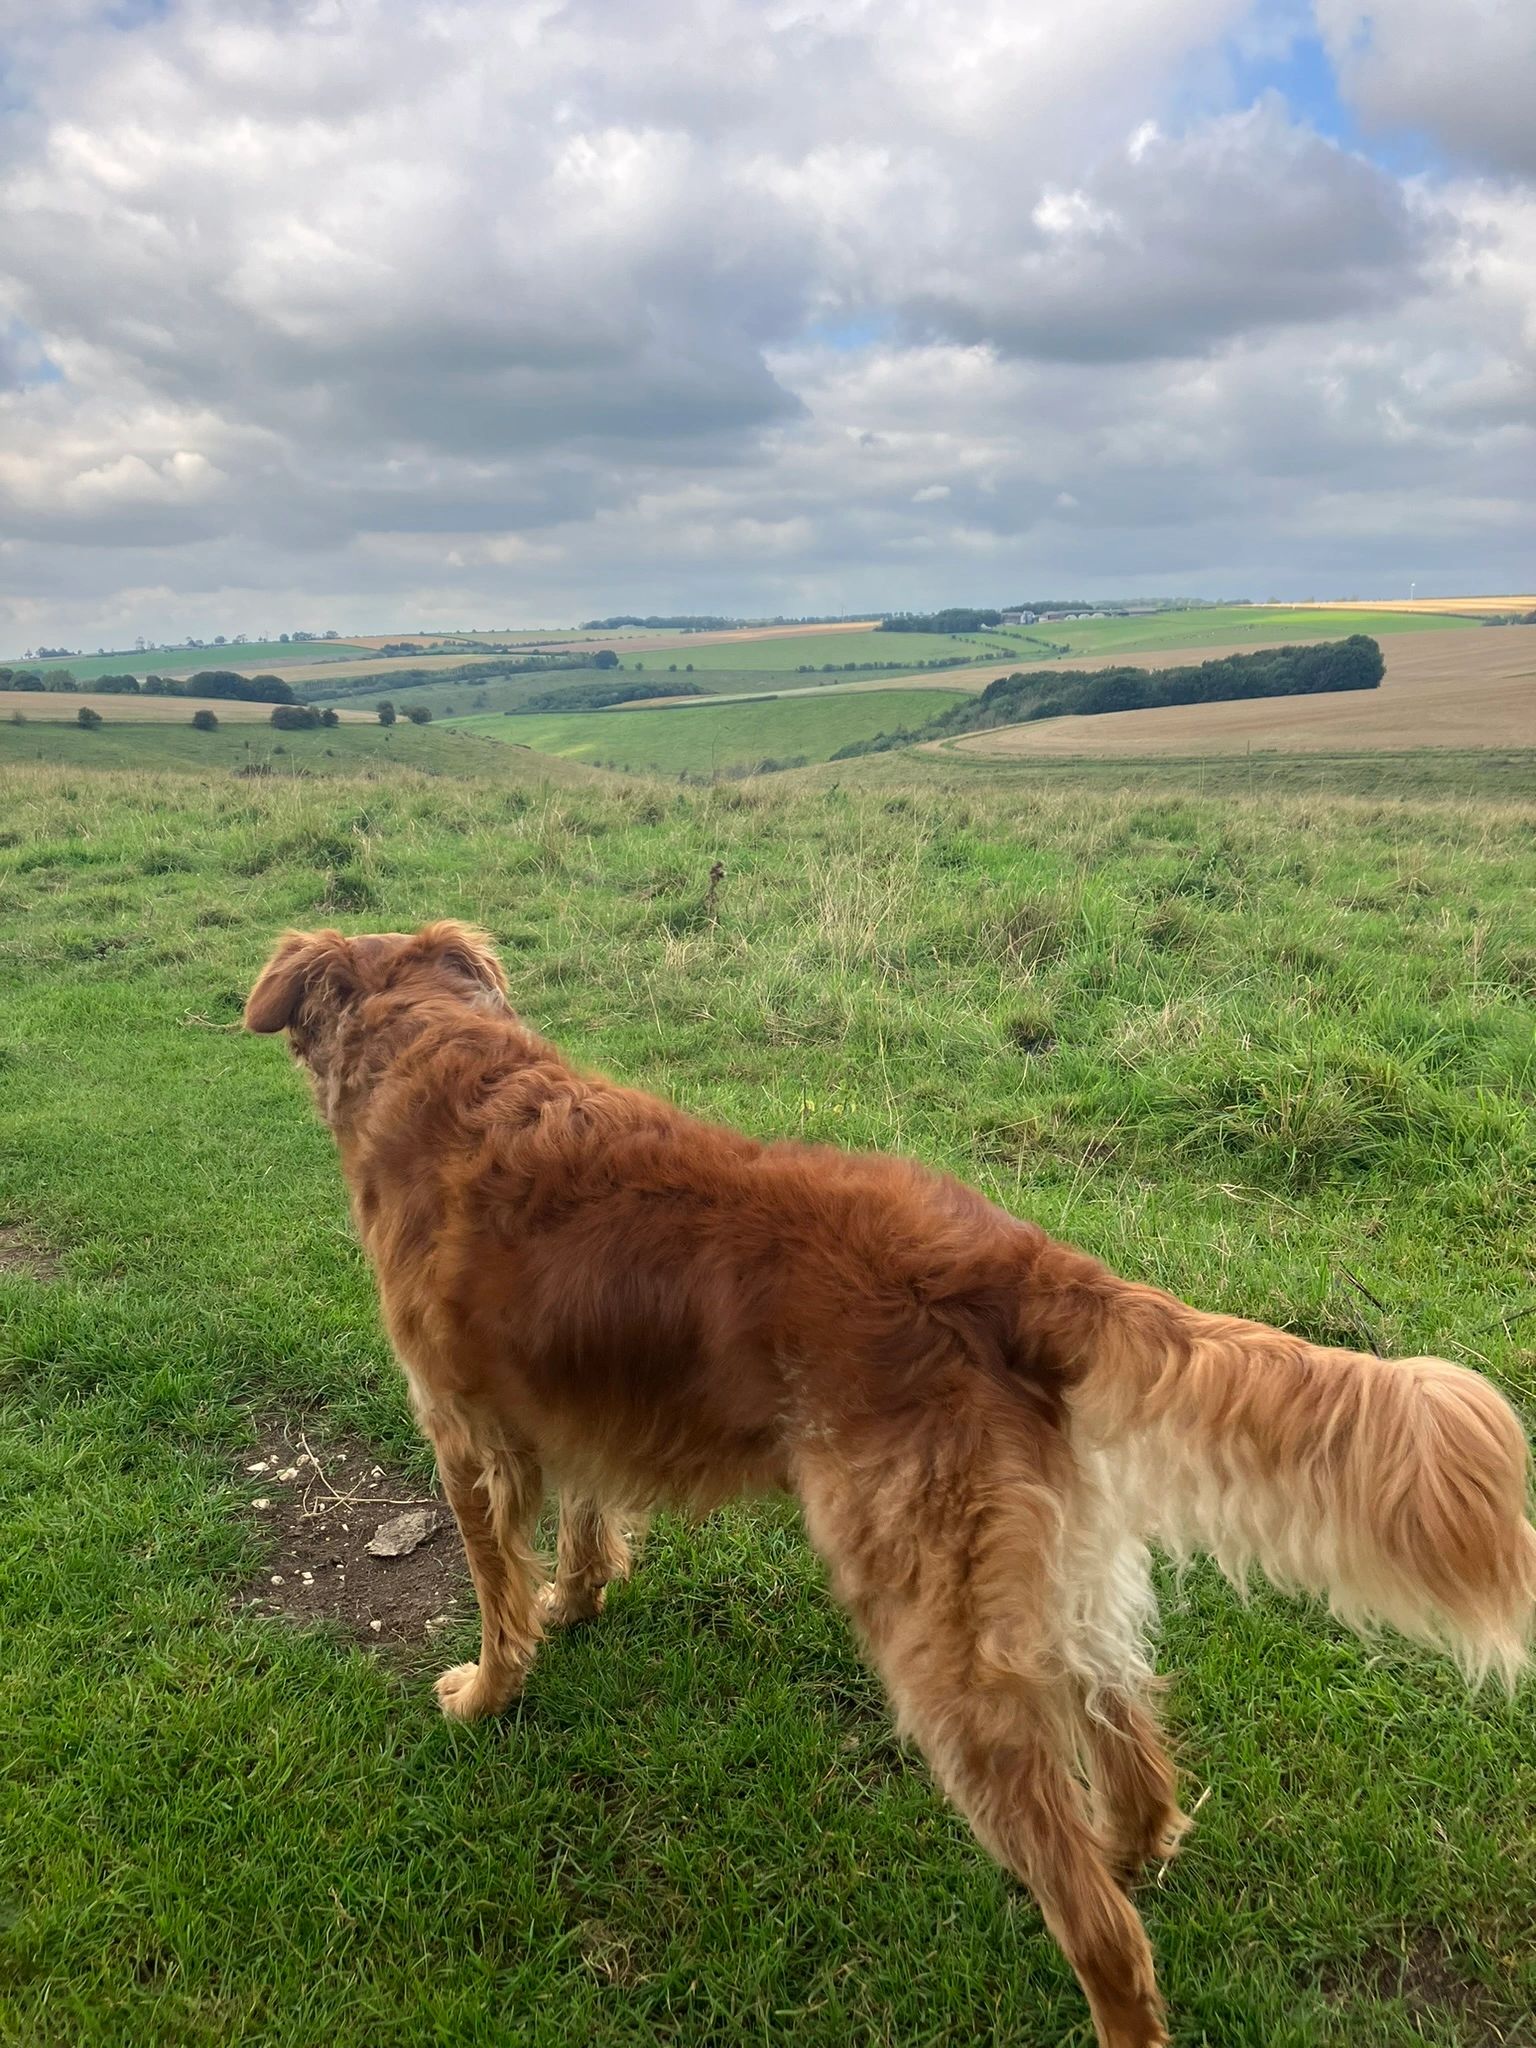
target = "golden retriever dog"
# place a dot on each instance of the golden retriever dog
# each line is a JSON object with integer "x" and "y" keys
{"x": 592, "y": 1291}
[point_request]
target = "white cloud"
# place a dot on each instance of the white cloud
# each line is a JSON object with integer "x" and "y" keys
{"x": 488, "y": 310}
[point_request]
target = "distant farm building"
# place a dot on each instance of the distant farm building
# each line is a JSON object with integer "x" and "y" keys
{"x": 1020, "y": 618}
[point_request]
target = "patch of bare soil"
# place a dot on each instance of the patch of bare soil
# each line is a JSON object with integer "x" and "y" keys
{"x": 352, "y": 1542}
{"x": 1431, "y": 1983}
{"x": 21, "y": 1252}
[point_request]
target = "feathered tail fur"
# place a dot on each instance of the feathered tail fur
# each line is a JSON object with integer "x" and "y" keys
{"x": 1396, "y": 1489}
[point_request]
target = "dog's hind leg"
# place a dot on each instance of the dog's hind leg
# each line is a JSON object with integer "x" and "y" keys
{"x": 592, "y": 1549}
{"x": 1107, "y": 1616}
{"x": 945, "y": 1555}
{"x": 495, "y": 1487}
{"x": 1135, "y": 1785}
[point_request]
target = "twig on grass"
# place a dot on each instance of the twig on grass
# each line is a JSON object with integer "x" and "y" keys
{"x": 353, "y": 1500}
{"x": 1360, "y": 1287}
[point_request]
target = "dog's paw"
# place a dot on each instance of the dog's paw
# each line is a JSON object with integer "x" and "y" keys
{"x": 464, "y": 1696}
{"x": 1157, "y": 1842}
{"x": 563, "y": 1606}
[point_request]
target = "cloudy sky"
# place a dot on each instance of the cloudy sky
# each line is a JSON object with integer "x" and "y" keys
{"x": 373, "y": 313}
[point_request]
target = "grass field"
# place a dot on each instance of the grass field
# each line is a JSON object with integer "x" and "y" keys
{"x": 705, "y": 739}
{"x": 1272, "y": 1052}
{"x": 750, "y": 655}
{"x": 363, "y": 747}
{"x": 1230, "y": 625}
{"x": 493, "y": 694}
{"x": 1015, "y": 646}
{"x": 248, "y": 658}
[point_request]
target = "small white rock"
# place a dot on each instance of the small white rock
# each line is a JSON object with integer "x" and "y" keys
{"x": 289, "y": 1472}
{"x": 375, "y": 1625}
{"x": 262, "y": 1503}
{"x": 260, "y": 1465}
{"x": 308, "y": 1578}
{"x": 277, "y": 1579}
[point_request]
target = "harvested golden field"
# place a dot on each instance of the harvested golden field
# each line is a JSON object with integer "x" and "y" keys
{"x": 58, "y": 707}
{"x": 1452, "y": 689}
{"x": 1428, "y": 607}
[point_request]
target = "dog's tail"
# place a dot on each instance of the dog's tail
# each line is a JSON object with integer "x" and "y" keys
{"x": 1398, "y": 1490}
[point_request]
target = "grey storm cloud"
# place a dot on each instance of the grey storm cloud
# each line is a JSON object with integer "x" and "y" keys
{"x": 1177, "y": 243}
{"x": 524, "y": 308}
{"x": 1463, "y": 75}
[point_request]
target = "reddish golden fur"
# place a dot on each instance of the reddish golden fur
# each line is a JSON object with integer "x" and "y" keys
{"x": 590, "y": 1289}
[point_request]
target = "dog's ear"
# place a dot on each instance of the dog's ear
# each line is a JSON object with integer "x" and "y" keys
{"x": 301, "y": 961}
{"x": 463, "y": 949}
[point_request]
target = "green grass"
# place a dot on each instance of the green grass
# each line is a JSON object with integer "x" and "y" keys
{"x": 512, "y": 693}
{"x": 705, "y": 739}
{"x": 152, "y": 744}
{"x": 1485, "y": 772}
{"x": 1245, "y": 1045}
{"x": 496, "y": 694}
{"x": 784, "y": 656}
{"x": 1230, "y": 624}
{"x": 176, "y": 661}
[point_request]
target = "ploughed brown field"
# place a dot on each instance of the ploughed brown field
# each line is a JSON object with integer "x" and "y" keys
{"x": 1451, "y": 689}
{"x": 58, "y": 707}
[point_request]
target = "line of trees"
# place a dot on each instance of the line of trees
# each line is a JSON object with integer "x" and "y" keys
{"x": 679, "y": 622}
{"x": 1020, "y": 698}
{"x": 461, "y": 672}
{"x": 957, "y": 619}
{"x": 208, "y": 682}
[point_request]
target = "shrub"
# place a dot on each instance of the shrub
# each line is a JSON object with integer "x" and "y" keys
{"x": 956, "y": 620}
{"x": 418, "y": 714}
{"x": 296, "y": 718}
{"x": 329, "y": 717}
{"x": 117, "y": 686}
{"x": 225, "y": 682}
{"x": 19, "y": 679}
{"x": 205, "y": 720}
{"x": 89, "y": 718}
{"x": 386, "y": 713}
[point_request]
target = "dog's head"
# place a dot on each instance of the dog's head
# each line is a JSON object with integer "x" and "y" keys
{"x": 316, "y": 983}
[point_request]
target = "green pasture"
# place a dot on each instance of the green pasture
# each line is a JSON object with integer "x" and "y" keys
{"x": 704, "y": 739}
{"x": 1271, "y": 1048}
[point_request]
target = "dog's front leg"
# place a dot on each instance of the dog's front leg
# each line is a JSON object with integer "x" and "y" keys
{"x": 495, "y": 1487}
